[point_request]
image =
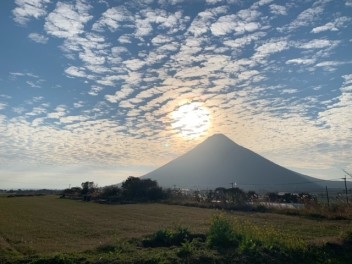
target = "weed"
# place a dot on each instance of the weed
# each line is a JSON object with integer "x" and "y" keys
{"x": 186, "y": 250}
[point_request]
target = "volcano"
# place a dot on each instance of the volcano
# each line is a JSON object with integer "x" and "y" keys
{"x": 220, "y": 162}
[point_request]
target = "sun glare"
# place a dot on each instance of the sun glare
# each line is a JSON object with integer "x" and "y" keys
{"x": 191, "y": 120}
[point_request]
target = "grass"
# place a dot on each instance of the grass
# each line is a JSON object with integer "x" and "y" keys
{"x": 48, "y": 227}
{"x": 48, "y": 224}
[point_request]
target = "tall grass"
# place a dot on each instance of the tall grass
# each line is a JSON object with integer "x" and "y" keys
{"x": 233, "y": 232}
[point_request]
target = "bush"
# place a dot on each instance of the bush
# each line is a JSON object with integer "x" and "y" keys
{"x": 168, "y": 238}
{"x": 221, "y": 234}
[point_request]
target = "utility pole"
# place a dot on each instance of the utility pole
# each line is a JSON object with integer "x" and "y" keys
{"x": 346, "y": 189}
{"x": 349, "y": 174}
{"x": 327, "y": 196}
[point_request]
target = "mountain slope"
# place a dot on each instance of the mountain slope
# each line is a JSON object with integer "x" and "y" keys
{"x": 218, "y": 162}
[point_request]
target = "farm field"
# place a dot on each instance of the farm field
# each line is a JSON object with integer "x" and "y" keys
{"x": 47, "y": 225}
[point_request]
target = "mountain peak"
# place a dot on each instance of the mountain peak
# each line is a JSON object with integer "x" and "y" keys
{"x": 218, "y": 136}
{"x": 218, "y": 161}
{"x": 215, "y": 143}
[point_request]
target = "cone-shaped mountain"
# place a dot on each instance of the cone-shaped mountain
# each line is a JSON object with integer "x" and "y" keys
{"x": 219, "y": 162}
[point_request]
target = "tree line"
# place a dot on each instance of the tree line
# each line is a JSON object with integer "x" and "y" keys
{"x": 133, "y": 189}
{"x": 136, "y": 190}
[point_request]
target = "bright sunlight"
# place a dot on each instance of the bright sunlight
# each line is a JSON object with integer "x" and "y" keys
{"x": 191, "y": 120}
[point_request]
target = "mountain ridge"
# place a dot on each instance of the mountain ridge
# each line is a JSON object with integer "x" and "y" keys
{"x": 220, "y": 162}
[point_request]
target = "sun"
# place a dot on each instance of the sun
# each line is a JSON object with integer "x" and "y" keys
{"x": 191, "y": 120}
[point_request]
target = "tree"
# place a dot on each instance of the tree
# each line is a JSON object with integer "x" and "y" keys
{"x": 88, "y": 188}
{"x": 236, "y": 196}
{"x": 131, "y": 188}
{"x": 136, "y": 189}
{"x": 110, "y": 193}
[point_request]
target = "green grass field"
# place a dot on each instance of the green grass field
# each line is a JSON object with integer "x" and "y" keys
{"x": 48, "y": 225}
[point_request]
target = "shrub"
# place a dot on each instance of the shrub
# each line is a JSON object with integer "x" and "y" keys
{"x": 221, "y": 234}
{"x": 168, "y": 238}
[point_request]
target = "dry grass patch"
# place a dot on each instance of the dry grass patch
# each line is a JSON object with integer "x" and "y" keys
{"x": 49, "y": 224}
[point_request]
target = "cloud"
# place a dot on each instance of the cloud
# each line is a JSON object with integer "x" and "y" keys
{"x": 336, "y": 116}
{"x": 67, "y": 20}
{"x": 23, "y": 74}
{"x": 112, "y": 18}
{"x": 75, "y": 71}
{"x": 30, "y": 79}
{"x": 145, "y": 20}
{"x": 78, "y": 104}
{"x": 239, "y": 43}
{"x": 318, "y": 44}
{"x": 331, "y": 65}
{"x": 118, "y": 96}
{"x": 139, "y": 62}
{"x": 278, "y": 9}
{"x": 213, "y": 2}
{"x": 160, "y": 39}
{"x": 95, "y": 90}
{"x": 2, "y": 106}
{"x": 271, "y": 47}
{"x": 27, "y": 9}
{"x": 134, "y": 64}
{"x": 38, "y": 38}
{"x": 89, "y": 57}
{"x": 243, "y": 21}
{"x": 304, "y": 19}
{"x": 72, "y": 119}
{"x": 125, "y": 39}
{"x": 60, "y": 112}
{"x": 204, "y": 19}
{"x": 332, "y": 26}
{"x": 34, "y": 84}
{"x": 37, "y": 111}
{"x": 301, "y": 61}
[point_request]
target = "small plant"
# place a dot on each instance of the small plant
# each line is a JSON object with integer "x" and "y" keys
{"x": 221, "y": 234}
{"x": 249, "y": 245}
{"x": 186, "y": 250}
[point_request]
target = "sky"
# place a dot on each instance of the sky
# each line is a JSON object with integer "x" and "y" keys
{"x": 103, "y": 90}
